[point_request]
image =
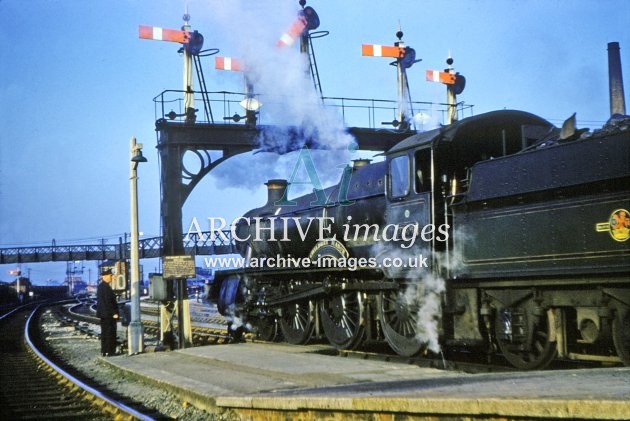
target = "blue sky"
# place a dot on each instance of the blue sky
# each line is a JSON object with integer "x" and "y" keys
{"x": 76, "y": 83}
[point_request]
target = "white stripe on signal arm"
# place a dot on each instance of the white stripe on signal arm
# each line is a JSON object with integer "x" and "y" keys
{"x": 286, "y": 39}
{"x": 157, "y": 33}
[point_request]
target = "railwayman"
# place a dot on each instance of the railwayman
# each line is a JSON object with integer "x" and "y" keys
{"x": 107, "y": 311}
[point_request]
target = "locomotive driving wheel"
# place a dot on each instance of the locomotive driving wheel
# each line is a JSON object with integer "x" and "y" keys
{"x": 398, "y": 320}
{"x": 524, "y": 338}
{"x": 267, "y": 329}
{"x": 297, "y": 322}
{"x": 621, "y": 334}
{"x": 342, "y": 319}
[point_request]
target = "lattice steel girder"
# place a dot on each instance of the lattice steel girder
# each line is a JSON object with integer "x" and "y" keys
{"x": 194, "y": 244}
{"x": 59, "y": 253}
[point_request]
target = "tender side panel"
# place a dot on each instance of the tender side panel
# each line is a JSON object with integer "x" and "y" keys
{"x": 561, "y": 166}
{"x": 554, "y": 211}
{"x": 559, "y": 237}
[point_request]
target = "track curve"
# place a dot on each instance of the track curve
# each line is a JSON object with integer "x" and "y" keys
{"x": 35, "y": 387}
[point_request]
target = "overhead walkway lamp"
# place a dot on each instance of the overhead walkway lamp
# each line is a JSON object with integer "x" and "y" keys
{"x": 135, "y": 333}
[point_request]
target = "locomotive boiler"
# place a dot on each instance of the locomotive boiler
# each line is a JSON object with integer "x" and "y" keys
{"x": 499, "y": 231}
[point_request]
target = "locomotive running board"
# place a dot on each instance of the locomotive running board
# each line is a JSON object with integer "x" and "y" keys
{"x": 323, "y": 290}
{"x": 371, "y": 272}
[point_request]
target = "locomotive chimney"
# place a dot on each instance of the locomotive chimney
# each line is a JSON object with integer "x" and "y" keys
{"x": 615, "y": 80}
{"x": 358, "y": 163}
{"x": 276, "y": 189}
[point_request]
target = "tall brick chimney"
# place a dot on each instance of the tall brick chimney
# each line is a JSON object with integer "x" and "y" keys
{"x": 615, "y": 80}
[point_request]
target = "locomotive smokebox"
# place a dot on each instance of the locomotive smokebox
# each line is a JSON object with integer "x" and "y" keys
{"x": 615, "y": 80}
{"x": 276, "y": 190}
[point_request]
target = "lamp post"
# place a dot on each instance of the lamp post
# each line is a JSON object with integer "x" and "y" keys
{"x": 134, "y": 333}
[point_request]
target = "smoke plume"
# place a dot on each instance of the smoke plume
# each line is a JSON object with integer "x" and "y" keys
{"x": 292, "y": 115}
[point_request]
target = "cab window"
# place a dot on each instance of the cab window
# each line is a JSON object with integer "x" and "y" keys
{"x": 399, "y": 176}
{"x": 423, "y": 170}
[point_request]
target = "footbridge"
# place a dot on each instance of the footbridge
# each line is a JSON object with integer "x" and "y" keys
{"x": 199, "y": 243}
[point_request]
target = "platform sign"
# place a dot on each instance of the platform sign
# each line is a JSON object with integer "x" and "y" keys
{"x": 178, "y": 267}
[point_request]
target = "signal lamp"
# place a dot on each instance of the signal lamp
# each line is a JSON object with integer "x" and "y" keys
{"x": 194, "y": 44}
{"x": 138, "y": 157}
{"x": 250, "y": 104}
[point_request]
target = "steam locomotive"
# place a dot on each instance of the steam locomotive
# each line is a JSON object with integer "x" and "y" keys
{"x": 497, "y": 232}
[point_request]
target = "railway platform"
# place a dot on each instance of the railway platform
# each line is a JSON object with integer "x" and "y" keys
{"x": 279, "y": 381}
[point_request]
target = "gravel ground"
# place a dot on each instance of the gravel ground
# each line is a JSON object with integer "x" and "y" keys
{"x": 82, "y": 352}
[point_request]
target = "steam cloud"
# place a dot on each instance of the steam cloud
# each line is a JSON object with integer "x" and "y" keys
{"x": 235, "y": 320}
{"x": 424, "y": 288}
{"x": 291, "y": 107}
{"x": 425, "y": 295}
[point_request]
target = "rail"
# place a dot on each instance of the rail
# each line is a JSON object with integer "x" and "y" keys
{"x": 118, "y": 408}
{"x": 194, "y": 244}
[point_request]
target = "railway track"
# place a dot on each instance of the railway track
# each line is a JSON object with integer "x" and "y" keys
{"x": 33, "y": 386}
{"x": 203, "y": 334}
{"x": 208, "y": 330}
{"x": 448, "y": 362}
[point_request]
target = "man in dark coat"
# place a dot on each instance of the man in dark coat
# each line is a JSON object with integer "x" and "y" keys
{"x": 107, "y": 311}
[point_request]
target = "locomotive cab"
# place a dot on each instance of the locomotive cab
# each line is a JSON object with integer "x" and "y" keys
{"x": 428, "y": 174}
{"x": 430, "y": 171}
